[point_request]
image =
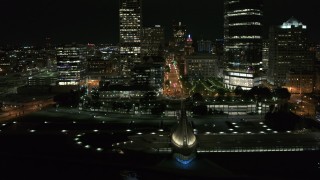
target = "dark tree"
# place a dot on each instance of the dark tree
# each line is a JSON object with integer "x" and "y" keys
{"x": 95, "y": 95}
{"x": 96, "y": 104}
{"x": 68, "y": 99}
{"x": 282, "y": 93}
{"x": 167, "y": 68}
{"x": 221, "y": 91}
{"x": 158, "y": 109}
{"x": 149, "y": 97}
{"x": 259, "y": 92}
{"x": 238, "y": 91}
{"x": 200, "y": 110}
{"x": 167, "y": 83}
{"x": 197, "y": 97}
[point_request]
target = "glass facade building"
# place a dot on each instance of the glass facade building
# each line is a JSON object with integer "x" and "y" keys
{"x": 242, "y": 42}
{"x": 289, "y": 52}
{"x": 179, "y": 35}
{"x": 152, "y": 41}
{"x": 130, "y": 14}
{"x": 243, "y": 33}
{"x": 204, "y": 46}
{"x": 69, "y": 65}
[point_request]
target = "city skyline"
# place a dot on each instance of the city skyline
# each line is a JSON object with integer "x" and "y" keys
{"x": 97, "y": 21}
{"x": 159, "y": 89}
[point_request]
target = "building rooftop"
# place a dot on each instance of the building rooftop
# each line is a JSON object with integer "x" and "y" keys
{"x": 292, "y": 22}
{"x": 45, "y": 74}
{"x": 125, "y": 88}
{"x": 201, "y": 56}
{"x": 183, "y": 136}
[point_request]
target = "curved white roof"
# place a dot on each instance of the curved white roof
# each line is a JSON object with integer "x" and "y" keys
{"x": 183, "y": 136}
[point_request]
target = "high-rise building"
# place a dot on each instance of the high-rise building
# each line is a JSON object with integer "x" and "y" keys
{"x": 179, "y": 35}
{"x": 298, "y": 83}
{"x": 243, "y": 42}
{"x": 150, "y": 73}
{"x": 204, "y": 46}
{"x": 265, "y": 55}
{"x": 188, "y": 48}
{"x": 152, "y": 41}
{"x": 218, "y": 48}
{"x": 317, "y": 71}
{"x": 201, "y": 66}
{"x": 4, "y": 63}
{"x": 289, "y": 52}
{"x": 243, "y": 33}
{"x": 130, "y": 35}
{"x": 95, "y": 64}
{"x": 69, "y": 65}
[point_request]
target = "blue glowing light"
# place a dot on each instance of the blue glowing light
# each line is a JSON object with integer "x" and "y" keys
{"x": 185, "y": 162}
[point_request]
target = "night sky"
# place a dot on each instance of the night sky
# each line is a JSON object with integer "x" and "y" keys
{"x": 96, "y": 21}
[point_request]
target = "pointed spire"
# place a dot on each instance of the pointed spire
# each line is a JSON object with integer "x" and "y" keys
{"x": 183, "y": 136}
{"x": 189, "y": 39}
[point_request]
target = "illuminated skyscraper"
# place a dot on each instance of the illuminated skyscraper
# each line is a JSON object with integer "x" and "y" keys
{"x": 68, "y": 65}
{"x": 289, "y": 52}
{"x": 179, "y": 35}
{"x": 243, "y": 42}
{"x": 130, "y": 35}
{"x": 204, "y": 46}
{"x": 243, "y": 32}
{"x": 188, "y": 48}
{"x": 265, "y": 55}
{"x": 152, "y": 41}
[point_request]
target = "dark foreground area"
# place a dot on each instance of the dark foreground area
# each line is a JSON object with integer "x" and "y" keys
{"x": 47, "y": 147}
{"x": 48, "y": 156}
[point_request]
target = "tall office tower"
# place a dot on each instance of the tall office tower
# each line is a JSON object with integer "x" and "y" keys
{"x": 201, "y": 66}
{"x": 318, "y": 52}
{"x": 4, "y": 63}
{"x": 130, "y": 35}
{"x": 152, "y": 41}
{"x": 150, "y": 73}
{"x": 218, "y": 47}
{"x": 218, "y": 50}
{"x": 289, "y": 52}
{"x": 204, "y": 46}
{"x": 68, "y": 65}
{"x": 95, "y": 64}
{"x": 265, "y": 55}
{"x": 188, "y": 48}
{"x": 179, "y": 35}
{"x": 243, "y": 42}
{"x": 317, "y": 70}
